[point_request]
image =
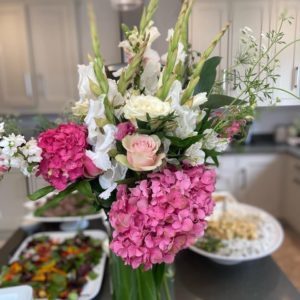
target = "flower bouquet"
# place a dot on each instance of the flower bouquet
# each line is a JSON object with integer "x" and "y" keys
{"x": 144, "y": 145}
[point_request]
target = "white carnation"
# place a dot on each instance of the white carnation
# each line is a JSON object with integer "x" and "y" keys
{"x": 194, "y": 155}
{"x": 137, "y": 107}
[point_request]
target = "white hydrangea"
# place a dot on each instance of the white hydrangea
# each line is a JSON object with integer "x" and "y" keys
{"x": 195, "y": 155}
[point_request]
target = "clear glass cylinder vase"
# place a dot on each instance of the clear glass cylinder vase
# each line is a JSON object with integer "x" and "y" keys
{"x": 130, "y": 284}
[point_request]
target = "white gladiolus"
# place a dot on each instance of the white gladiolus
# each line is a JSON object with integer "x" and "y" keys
{"x": 96, "y": 111}
{"x": 86, "y": 73}
{"x": 104, "y": 143}
{"x": 194, "y": 155}
{"x": 109, "y": 178}
{"x": 150, "y": 77}
{"x": 199, "y": 99}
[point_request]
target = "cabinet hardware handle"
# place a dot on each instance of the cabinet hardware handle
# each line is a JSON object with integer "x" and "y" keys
{"x": 297, "y": 78}
{"x": 297, "y": 181}
{"x": 243, "y": 179}
{"x": 28, "y": 85}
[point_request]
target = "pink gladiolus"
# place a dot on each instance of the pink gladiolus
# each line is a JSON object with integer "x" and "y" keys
{"x": 63, "y": 154}
{"x": 162, "y": 215}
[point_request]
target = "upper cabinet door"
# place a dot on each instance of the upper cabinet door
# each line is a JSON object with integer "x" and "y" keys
{"x": 16, "y": 89}
{"x": 207, "y": 19}
{"x": 54, "y": 44}
{"x": 253, "y": 14}
{"x": 289, "y": 69}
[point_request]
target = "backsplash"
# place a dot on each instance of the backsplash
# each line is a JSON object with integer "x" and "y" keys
{"x": 268, "y": 118}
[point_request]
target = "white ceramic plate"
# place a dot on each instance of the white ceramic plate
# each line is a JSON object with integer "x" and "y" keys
{"x": 92, "y": 288}
{"x": 274, "y": 245}
{"x": 22, "y": 292}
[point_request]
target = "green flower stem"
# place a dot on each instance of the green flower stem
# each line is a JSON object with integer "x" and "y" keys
{"x": 129, "y": 72}
{"x": 166, "y": 289}
{"x": 148, "y": 15}
{"x": 196, "y": 73}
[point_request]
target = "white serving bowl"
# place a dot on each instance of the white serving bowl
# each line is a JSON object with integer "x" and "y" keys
{"x": 275, "y": 243}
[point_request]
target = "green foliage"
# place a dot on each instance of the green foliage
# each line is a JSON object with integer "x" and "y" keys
{"x": 208, "y": 75}
{"x": 218, "y": 101}
{"x": 41, "y": 193}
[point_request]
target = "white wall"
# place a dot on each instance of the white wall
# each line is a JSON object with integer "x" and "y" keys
{"x": 108, "y": 30}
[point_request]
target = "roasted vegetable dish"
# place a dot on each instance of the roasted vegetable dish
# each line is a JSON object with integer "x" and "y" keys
{"x": 55, "y": 269}
{"x": 71, "y": 205}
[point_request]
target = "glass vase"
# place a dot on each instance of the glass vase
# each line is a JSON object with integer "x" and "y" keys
{"x": 130, "y": 284}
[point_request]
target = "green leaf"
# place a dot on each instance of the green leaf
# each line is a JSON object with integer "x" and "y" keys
{"x": 85, "y": 188}
{"x": 56, "y": 199}
{"x": 92, "y": 275}
{"x": 208, "y": 75}
{"x": 146, "y": 285}
{"x": 217, "y": 101}
{"x": 184, "y": 143}
{"x": 41, "y": 193}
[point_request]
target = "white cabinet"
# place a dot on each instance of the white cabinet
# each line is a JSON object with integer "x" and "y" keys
{"x": 15, "y": 66}
{"x": 38, "y": 55}
{"x": 291, "y": 202}
{"x": 255, "y": 179}
{"x": 207, "y": 19}
{"x": 260, "y": 181}
{"x": 13, "y": 192}
{"x": 290, "y": 58}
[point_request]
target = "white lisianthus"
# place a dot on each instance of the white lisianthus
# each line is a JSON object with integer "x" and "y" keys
{"x": 199, "y": 99}
{"x": 81, "y": 108}
{"x": 86, "y": 73}
{"x": 194, "y": 155}
{"x": 137, "y": 107}
{"x": 213, "y": 142}
{"x": 104, "y": 143}
{"x": 2, "y": 129}
{"x": 32, "y": 152}
{"x": 109, "y": 178}
{"x": 96, "y": 112}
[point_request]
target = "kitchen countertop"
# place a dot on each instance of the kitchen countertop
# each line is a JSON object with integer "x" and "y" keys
{"x": 265, "y": 149}
{"x": 197, "y": 278}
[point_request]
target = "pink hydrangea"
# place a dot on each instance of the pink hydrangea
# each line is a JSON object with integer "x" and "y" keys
{"x": 124, "y": 129}
{"x": 63, "y": 152}
{"x": 161, "y": 215}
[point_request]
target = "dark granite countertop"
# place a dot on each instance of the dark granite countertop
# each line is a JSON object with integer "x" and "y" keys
{"x": 198, "y": 278}
{"x": 265, "y": 149}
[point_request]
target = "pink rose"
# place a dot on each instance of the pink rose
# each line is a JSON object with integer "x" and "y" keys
{"x": 141, "y": 152}
{"x": 124, "y": 129}
{"x": 90, "y": 170}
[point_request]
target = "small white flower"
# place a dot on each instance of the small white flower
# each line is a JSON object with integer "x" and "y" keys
{"x": 213, "y": 142}
{"x": 32, "y": 152}
{"x": 2, "y": 129}
{"x": 11, "y": 143}
{"x": 153, "y": 34}
{"x": 194, "y": 155}
{"x": 105, "y": 142}
{"x": 181, "y": 54}
{"x": 222, "y": 144}
{"x": 108, "y": 179}
{"x": 170, "y": 34}
{"x": 137, "y": 107}
{"x": 86, "y": 73}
